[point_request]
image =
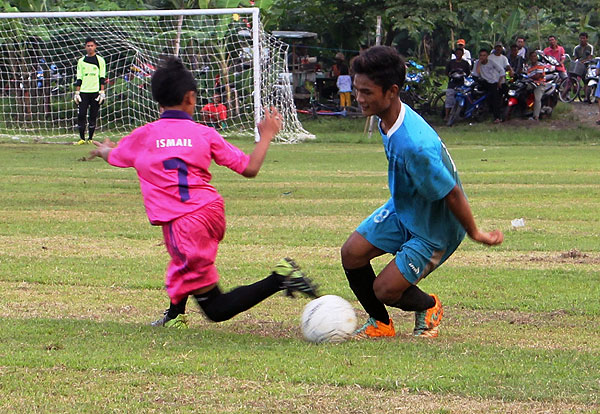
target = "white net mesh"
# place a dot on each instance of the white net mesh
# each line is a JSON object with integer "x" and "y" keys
{"x": 38, "y": 60}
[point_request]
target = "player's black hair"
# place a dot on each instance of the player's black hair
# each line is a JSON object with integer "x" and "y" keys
{"x": 91, "y": 39}
{"x": 514, "y": 45}
{"x": 484, "y": 50}
{"x": 551, "y": 36}
{"x": 461, "y": 50}
{"x": 171, "y": 81}
{"x": 383, "y": 65}
{"x": 343, "y": 70}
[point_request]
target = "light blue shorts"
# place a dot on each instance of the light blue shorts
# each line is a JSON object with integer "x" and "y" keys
{"x": 415, "y": 256}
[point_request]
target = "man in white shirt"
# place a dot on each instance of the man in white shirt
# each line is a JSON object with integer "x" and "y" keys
{"x": 499, "y": 59}
{"x": 490, "y": 76}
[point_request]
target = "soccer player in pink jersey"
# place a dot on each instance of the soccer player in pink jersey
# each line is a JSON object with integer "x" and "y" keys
{"x": 172, "y": 156}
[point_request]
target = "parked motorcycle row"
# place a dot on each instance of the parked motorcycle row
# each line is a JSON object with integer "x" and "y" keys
{"x": 518, "y": 97}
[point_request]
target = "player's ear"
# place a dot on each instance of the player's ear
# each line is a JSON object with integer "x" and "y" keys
{"x": 190, "y": 98}
{"x": 393, "y": 90}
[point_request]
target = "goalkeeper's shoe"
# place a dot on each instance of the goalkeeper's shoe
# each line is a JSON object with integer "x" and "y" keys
{"x": 375, "y": 329}
{"x": 80, "y": 142}
{"x": 427, "y": 322}
{"x": 293, "y": 280}
{"x": 179, "y": 322}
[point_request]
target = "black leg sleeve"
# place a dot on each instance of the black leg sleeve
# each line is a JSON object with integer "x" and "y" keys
{"x": 82, "y": 114}
{"x": 94, "y": 110}
{"x": 414, "y": 299}
{"x": 361, "y": 282}
{"x": 218, "y": 306}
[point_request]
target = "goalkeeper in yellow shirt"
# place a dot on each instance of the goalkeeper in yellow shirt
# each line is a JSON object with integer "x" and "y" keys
{"x": 89, "y": 89}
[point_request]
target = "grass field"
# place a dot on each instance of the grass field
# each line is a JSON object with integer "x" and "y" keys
{"x": 81, "y": 276}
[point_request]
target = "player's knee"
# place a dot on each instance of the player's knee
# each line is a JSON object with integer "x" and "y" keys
{"x": 386, "y": 292}
{"x": 351, "y": 259}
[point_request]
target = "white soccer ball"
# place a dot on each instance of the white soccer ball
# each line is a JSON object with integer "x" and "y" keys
{"x": 328, "y": 319}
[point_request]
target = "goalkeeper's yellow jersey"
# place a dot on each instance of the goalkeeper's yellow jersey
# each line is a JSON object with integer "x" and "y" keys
{"x": 91, "y": 73}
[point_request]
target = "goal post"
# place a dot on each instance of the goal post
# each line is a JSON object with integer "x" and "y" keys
{"x": 232, "y": 58}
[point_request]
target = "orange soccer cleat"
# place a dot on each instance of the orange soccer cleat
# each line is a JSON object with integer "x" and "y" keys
{"x": 375, "y": 329}
{"x": 428, "y": 321}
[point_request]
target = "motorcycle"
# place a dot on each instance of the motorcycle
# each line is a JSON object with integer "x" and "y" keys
{"x": 470, "y": 101}
{"x": 521, "y": 97}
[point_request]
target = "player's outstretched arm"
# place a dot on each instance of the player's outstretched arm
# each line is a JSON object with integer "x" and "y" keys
{"x": 458, "y": 204}
{"x": 102, "y": 149}
{"x": 267, "y": 129}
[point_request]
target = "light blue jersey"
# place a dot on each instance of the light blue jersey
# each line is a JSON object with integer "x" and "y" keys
{"x": 420, "y": 174}
{"x": 415, "y": 224}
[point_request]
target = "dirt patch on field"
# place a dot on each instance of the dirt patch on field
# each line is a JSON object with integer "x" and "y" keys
{"x": 571, "y": 256}
{"x": 514, "y": 317}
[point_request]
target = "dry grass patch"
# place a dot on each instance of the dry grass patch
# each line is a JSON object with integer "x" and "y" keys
{"x": 510, "y": 259}
{"x": 79, "y": 246}
{"x": 72, "y": 391}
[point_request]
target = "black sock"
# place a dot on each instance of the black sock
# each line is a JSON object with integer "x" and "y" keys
{"x": 91, "y": 132}
{"x": 220, "y": 307}
{"x": 177, "y": 308}
{"x": 414, "y": 299}
{"x": 82, "y": 133}
{"x": 361, "y": 282}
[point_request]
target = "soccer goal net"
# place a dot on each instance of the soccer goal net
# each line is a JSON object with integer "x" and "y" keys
{"x": 233, "y": 60}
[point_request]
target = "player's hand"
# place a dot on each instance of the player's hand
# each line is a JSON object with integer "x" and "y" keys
{"x": 77, "y": 97}
{"x": 491, "y": 238}
{"x": 271, "y": 124}
{"x": 102, "y": 149}
{"x": 101, "y": 97}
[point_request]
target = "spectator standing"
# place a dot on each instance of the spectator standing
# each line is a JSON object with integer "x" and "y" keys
{"x": 490, "y": 76}
{"x": 537, "y": 72}
{"x": 583, "y": 51}
{"x": 558, "y": 53}
{"x": 522, "y": 48}
{"x": 455, "y": 66}
{"x": 344, "y": 84}
{"x": 497, "y": 56}
{"x": 515, "y": 61}
{"x": 460, "y": 44}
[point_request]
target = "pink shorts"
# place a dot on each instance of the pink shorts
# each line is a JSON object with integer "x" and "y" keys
{"x": 192, "y": 241}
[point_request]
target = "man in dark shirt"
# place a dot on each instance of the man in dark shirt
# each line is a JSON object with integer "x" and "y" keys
{"x": 515, "y": 60}
{"x": 583, "y": 51}
{"x": 455, "y": 67}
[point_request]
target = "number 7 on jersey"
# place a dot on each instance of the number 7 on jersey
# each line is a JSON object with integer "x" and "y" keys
{"x": 182, "y": 174}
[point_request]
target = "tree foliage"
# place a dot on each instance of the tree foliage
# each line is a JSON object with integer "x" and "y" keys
{"x": 425, "y": 29}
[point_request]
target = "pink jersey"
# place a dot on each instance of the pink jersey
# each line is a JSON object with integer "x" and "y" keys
{"x": 172, "y": 157}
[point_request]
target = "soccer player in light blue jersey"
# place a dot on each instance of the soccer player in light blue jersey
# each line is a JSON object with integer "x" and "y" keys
{"x": 426, "y": 217}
